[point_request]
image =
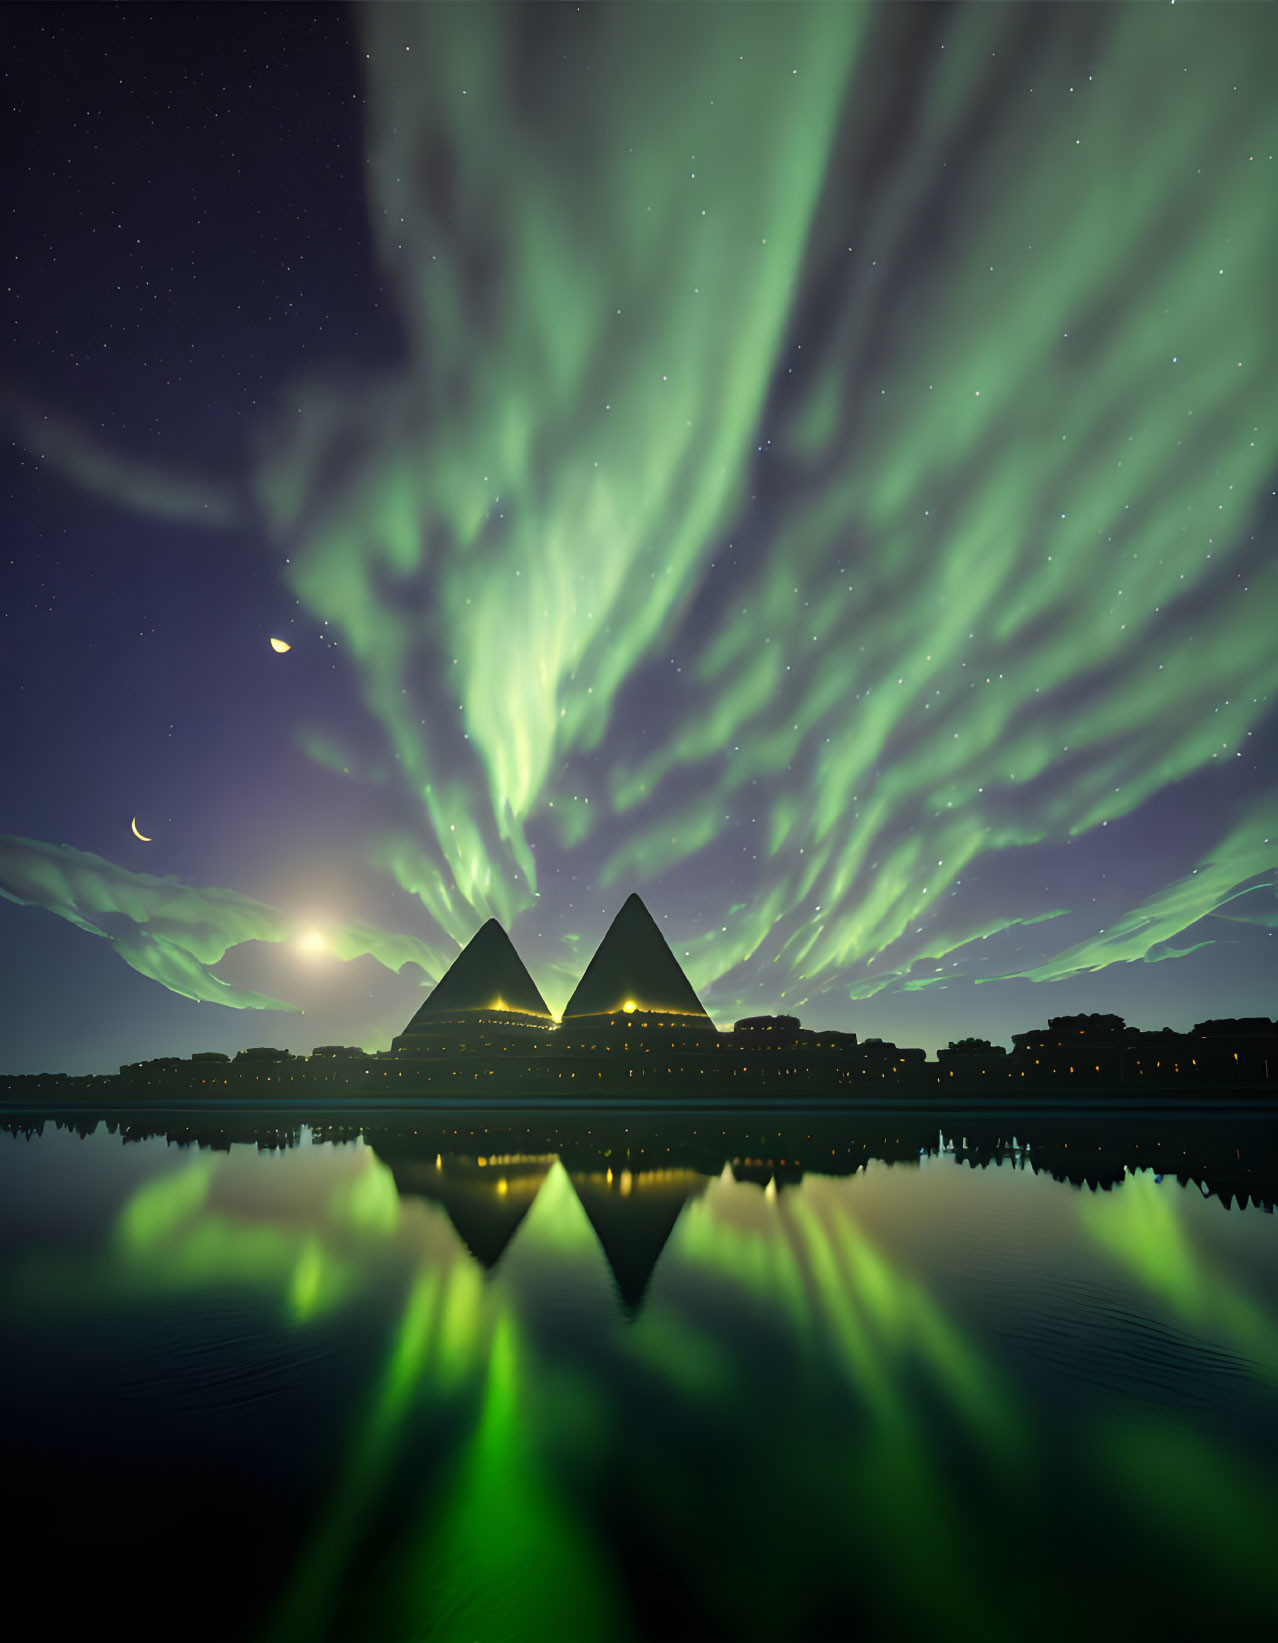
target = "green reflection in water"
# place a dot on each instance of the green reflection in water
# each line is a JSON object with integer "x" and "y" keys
{"x": 162, "y": 1206}
{"x": 169, "y": 1235}
{"x": 557, "y": 1226}
{"x": 826, "y": 1292}
{"x": 505, "y": 1556}
{"x": 501, "y": 1554}
{"x": 369, "y": 1201}
{"x": 189, "y": 1228}
{"x": 307, "y": 1291}
{"x": 1141, "y": 1226}
{"x": 429, "y": 1349}
{"x": 909, "y": 1322}
{"x": 1216, "y": 1514}
{"x": 732, "y": 1229}
{"x": 803, "y": 1253}
{"x": 862, "y": 1442}
{"x": 680, "y": 1353}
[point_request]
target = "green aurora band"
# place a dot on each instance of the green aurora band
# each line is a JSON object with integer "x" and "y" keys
{"x": 174, "y": 932}
{"x": 1000, "y": 347}
{"x": 1012, "y": 591}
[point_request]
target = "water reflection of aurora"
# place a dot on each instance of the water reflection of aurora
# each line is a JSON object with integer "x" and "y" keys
{"x": 803, "y": 1419}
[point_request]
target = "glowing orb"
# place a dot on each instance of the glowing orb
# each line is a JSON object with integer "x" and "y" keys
{"x": 630, "y": 1006}
{"x": 279, "y": 646}
{"x": 137, "y": 833}
{"x": 312, "y": 942}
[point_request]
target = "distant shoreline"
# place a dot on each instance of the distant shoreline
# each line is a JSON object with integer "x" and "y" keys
{"x": 1226, "y": 1144}
{"x": 1119, "y": 1103}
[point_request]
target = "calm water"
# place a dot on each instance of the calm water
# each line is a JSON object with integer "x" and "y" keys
{"x": 492, "y": 1387}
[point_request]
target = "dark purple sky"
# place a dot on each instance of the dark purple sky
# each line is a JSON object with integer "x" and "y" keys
{"x": 814, "y": 466}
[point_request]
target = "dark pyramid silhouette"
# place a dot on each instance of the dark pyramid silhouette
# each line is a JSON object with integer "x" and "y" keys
{"x": 633, "y": 965}
{"x": 634, "y": 1226}
{"x": 487, "y": 974}
{"x": 484, "y": 1218}
{"x": 484, "y": 1222}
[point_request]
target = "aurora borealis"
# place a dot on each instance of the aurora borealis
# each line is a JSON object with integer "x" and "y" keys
{"x": 814, "y": 465}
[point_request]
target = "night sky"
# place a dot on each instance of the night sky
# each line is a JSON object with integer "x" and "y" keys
{"x": 812, "y": 465}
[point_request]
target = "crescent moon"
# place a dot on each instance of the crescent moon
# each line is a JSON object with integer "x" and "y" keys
{"x": 145, "y": 837}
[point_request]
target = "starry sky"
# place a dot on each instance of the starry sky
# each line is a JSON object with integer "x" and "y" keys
{"x": 814, "y": 465}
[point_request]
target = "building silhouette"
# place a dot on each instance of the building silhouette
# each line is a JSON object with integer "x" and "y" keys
{"x": 634, "y": 1028}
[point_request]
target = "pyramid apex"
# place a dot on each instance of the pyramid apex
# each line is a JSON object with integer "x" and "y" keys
{"x": 633, "y": 970}
{"x": 487, "y": 975}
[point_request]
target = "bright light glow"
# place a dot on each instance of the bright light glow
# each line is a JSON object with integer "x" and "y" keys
{"x": 629, "y": 1006}
{"x": 279, "y": 646}
{"x": 312, "y": 942}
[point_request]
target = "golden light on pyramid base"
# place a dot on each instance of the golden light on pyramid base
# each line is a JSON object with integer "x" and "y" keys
{"x": 633, "y": 958}
{"x": 634, "y": 1006}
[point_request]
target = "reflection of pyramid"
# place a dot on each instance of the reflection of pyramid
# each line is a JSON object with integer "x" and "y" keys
{"x": 633, "y": 1217}
{"x": 488, "y": 974}
{"x": 634, "y": 969}
{"x": 485, "y": 1208}
{"x": 529, "y": 1210}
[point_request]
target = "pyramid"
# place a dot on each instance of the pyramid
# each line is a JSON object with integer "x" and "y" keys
{"x": 483, "y": 1216}
{"x": 634, "y": 969}
{"x": 488, "y": 974}
{"x": 634, "y": 1228}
